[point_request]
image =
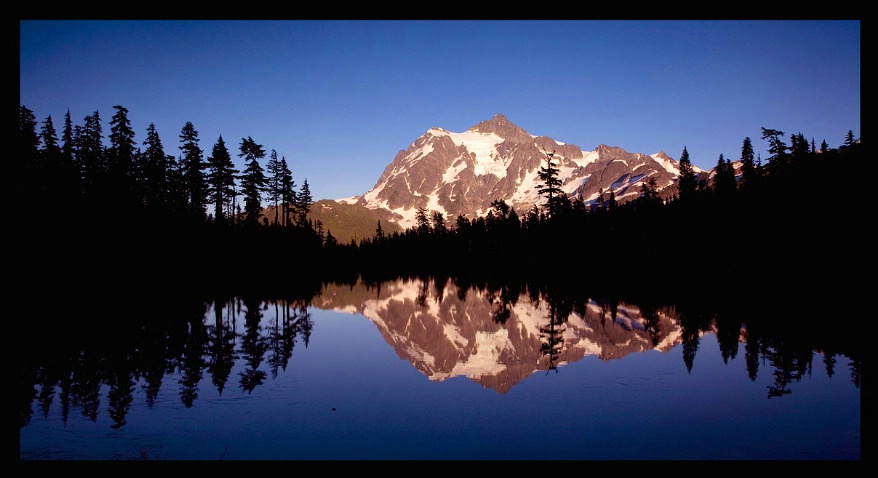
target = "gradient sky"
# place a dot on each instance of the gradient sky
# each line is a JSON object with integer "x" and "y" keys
{"x": 339, "y": 98}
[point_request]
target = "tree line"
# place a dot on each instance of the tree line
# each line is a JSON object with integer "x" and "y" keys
{"x": 138, "y": 204}
{"x": 750, "y": 224}
{"x": 79, "y": 200}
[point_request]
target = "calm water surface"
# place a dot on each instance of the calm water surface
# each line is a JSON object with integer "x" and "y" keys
{"x": 412, "y": 371}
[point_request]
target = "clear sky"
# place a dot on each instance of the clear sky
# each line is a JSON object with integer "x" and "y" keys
{"x": 339, "y": 98}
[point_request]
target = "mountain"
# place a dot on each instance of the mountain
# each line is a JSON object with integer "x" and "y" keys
{"x": 463, "y": 173}
{"x": 445, "y": 331}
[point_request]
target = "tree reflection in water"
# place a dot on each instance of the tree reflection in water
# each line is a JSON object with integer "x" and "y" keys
{"x": 194, "y": 336}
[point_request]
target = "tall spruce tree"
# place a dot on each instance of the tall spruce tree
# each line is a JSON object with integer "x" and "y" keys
{"x": 724, "y": 177}
{"x": 67, "y": 148}
{"x": 253, "y": 180}
{"x": 51, "y": 163}
{"x": 304, "y": 200}
{"x": 777, "y": 162}
{"x": 687, "y": 184}
{"x": 274, "y": 182}
{"x": 288, "y": 190}
{"x": 121, "y": 154}
{"x": 221, "y": 175}
{"x": 154, "y": 171}
{"x": 192, "y": 166}
{"x": 550, "y": 187}
{"x": 748, "y": 165}
{"x": 849, "y": 138}
{"x": 90, "y": 156}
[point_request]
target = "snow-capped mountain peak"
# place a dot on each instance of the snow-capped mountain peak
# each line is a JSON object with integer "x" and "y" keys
{"x": 461, "y": 174}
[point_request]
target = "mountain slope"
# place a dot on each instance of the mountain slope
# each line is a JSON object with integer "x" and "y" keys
{"x": 345, "y": 221}
{"x": 463, "y": 173}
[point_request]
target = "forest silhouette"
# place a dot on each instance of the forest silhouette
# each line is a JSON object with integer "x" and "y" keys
{"x": 90, "y": 215}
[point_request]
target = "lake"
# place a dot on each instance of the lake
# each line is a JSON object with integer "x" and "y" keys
{"x": 425, "y": 369}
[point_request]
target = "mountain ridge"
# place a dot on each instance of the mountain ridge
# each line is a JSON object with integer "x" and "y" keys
{"x": 461, "y": 174}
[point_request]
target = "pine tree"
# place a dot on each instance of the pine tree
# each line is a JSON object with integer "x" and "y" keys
{"x": 67, "y": 148}
{"x": 798, "y": 147}
{"x": 422, "y": 220}
{"x": 649, "y": 192}
{"x": 154, "y": 170}
{"x": 90, "y": 155}
{"x": 253, "y": 180}
{"x": 51, "y": 163}
{"x": 777, "y": 162}
{"x": 438, "y": 223}
{"x": 748, "y": 166}
{"x": 551, "y": 185}
{"x": 687, "y": 184}
{"x": 724, "y": 177}
{"x": 274, "y": 184}
{"x": 121, "y": 153}
{"x": 600, "y": 201}
{"x": 192, "y": 167}
{"x": 303, "y": 203}
{"x": 849, "y": 138}
{"x": 611, "y": 203}
{"x": 288, "y": 190}
{"x": 221, "y": 179}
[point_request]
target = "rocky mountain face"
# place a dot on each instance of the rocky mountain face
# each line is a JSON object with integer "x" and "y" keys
{"x": 445, "y": 331}
{"x": 463, "y": 173}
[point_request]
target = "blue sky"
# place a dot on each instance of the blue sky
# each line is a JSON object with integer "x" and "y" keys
{"x": 339, "y": 98}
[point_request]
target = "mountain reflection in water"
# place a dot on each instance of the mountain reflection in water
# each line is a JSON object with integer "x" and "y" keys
{"x": 494, "y": 335}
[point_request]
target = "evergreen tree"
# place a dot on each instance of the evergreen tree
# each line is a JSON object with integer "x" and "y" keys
{"x": 600, "y": 202}
{"x": 849, "y": 138}
{"x": 192, "y": 168}
{"x": 551, "y": 185}
{"x": 777, "y": 162}
{"x": 121, "y": 153}
{"x": 748, "y": 166}
{"x": 90, "y": 155}
{"x": 288, "y": 190}
{"x": 438, "y": 223}
{"x": 67, "y": 148}
{"x": 253, "y": 180}
{"x": 274, "y": 184}
{"x": 649, "y": 192}
{"x": 724, "y": 177}
{"x": 303, "y": 203}
{"x": 221, "y": 179}
{"x": 824, "y": 147}
{"x": 611, "y": 203}
{"x": 687, "y": 183}
{"x": 51, "y": 163}
{"x": 178, "y": 195}
{"x": 798, "y": 147}
{"x": 422, "y": 220}
{"x": 379, "y": 233}
{"x": 154, "y": 170}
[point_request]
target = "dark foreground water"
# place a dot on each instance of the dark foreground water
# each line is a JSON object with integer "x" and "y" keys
{"x": 409, "y": 371}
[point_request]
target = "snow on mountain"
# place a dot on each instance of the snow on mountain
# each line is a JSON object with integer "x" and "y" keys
{"x": 445, "y": 336}
{"x": 461, "y": 174}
